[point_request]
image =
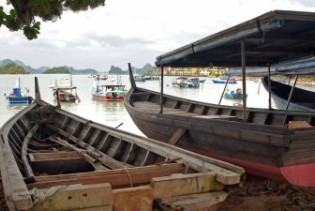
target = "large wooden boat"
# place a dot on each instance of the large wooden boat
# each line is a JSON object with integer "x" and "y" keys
{"x": 54, "y": 160}
{"x": 276, "y": 144}
{"x": 300, "y": 99}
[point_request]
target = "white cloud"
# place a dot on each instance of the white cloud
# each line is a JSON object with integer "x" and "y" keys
{"x": 132, "y": 31}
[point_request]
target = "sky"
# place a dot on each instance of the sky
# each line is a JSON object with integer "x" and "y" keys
{"x": 131, "y": 31}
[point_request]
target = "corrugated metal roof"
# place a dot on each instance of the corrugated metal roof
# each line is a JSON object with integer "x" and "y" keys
{"x": 271, "y": 38}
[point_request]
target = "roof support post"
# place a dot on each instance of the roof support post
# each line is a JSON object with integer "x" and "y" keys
{"x": 291, "y": 93}
{"x": 227, "y": 81}
{"x": 162, "y": 84}
{"x": 243, "y": 77}
{"x": 269, "y": 88}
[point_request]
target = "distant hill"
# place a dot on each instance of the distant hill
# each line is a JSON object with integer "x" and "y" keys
{"x": 12, "y": 68}
{"x": 113, "y": 69}
{"x": 57, "y": 70}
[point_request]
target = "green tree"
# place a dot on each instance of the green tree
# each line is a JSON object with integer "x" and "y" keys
{"x": 26, "y": 14}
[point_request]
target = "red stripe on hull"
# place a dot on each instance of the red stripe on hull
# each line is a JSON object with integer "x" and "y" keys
{"x": 303, "y": 175}
{"x": 253, "y": 168}
{"x": 107, "y": 98}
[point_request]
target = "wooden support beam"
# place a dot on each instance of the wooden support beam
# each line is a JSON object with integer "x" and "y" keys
{"x": 136, "y": 198}
{"x": 77, "y": 197}
{"x": 177, "y": 136}
{"x": 183, "y": 184}
{"x": 202, "y": 201}
{"x": 117, "y": 178}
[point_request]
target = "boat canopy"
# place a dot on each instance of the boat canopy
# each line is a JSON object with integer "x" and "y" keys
{"x": 271, "y": 39}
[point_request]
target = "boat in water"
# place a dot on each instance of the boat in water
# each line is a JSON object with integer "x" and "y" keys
{"x": 64, "y": 91}
{"x": 109, "y": 91}
{"x": 234, "y": 94}
{"x": 275, "y": 144}
{"x": 300, "y": 99}
{"x": 185, "y": 82}
{"x": 52, "y": 159}
{"x": 223, "y": 80}
{"x": 17, "y": 97}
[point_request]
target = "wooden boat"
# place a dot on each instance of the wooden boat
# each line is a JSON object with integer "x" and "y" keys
{"x": 276, "y": 144}
{"x": 16, "y": 97}
{"x": 234, "y": 94}
{"x": 64, "y": 91}
{"x": 109, "y": 92}
{"x": 223, "y": 81}
{"x": 54, "y": 160}
{"x": 301, "y": 99}
{"x": 66, "y": 94}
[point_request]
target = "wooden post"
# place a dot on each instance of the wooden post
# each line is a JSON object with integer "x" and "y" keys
{"x": 269, "y": 88}
{"x": 162, "y": 84}
{"x": 226, "y": 83}
{"x": 37, "y": 91}
{"x": 291, "y": 93}
{"x": 132, "y": 80}
{"x": 244, "y": 77}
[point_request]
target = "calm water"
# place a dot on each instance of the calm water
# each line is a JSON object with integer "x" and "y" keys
{"x": 114, "y": 113}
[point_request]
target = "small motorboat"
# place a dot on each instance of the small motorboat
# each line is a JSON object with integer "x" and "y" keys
{"x": 17, "y": 97}
{"x": 234, "y": 94}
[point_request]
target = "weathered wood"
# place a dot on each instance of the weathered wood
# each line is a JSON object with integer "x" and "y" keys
{"x": 117, "y": 178}
{"x": 298, "y": 124}
{"x": 135, "y": 198}
{"x": 179, "y": 132}
{"x": 76, "y": 197}
{"x": 193, "y": 202}
{"x": 110, "y": 162}
{"x": 183, "y": 184}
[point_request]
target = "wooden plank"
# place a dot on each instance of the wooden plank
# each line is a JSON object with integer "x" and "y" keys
{"x": 110, "y": 162}
{"x": 203, "y": 201}
{"x": 118, "y": 177}
{"x": 183, "y": 184}
{"x": 136, "y": 198}
{"x": 177, "y": 136}
{"x": 298, "y": 124}
{"x": 76, "y": 197}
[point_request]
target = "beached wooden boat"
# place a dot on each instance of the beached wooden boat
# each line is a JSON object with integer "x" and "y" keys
{"x": 276, "y": 144}
{"x": 54, "y": 160}
{"x": 301, "y": 99}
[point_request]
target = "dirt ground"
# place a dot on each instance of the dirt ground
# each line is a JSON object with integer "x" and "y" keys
{"x": 260, "y": 194}
{"x": 256, "y": 194}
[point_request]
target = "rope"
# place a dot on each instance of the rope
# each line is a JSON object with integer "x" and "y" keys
{"x": 129, "y": 177}
{"x": 42, "y": 195}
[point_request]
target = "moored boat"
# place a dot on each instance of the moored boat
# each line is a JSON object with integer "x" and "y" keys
{"x": 53, "y": 159}
{"x": 17, "y": 97}
{"x": 301, "y": 99}
{"x": 276, "y": 144}
{"x": 234, "y": 94}
{"x": 109, "y": 92}
{"x": 223, "y": 81}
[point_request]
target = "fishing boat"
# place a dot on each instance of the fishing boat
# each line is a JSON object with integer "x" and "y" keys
{"x": 17, "y": 97}
{"x": 112, "y": 91}
{"x": 64, "y": 91}
{"x": 185, "y": 82}
{"x": 234, "y": 94}
{"x": 109, "y": 92}
{"x": 223, "y": 81}
{"x": 275, "y": 144}
{"x": 300, "y": 99}
{"x": 52, "y": 159}
{"x": 139, "y": 78}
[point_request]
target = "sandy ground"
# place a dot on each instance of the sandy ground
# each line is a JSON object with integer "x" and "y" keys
{"x": 260, "y": 194}
{"x": 256, "y": 194}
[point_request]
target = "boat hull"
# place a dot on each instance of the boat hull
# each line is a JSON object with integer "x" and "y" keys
{"x": 18, "y": 100}
{"x": 267, "y": 151}
{"x": 107, "y": 97}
